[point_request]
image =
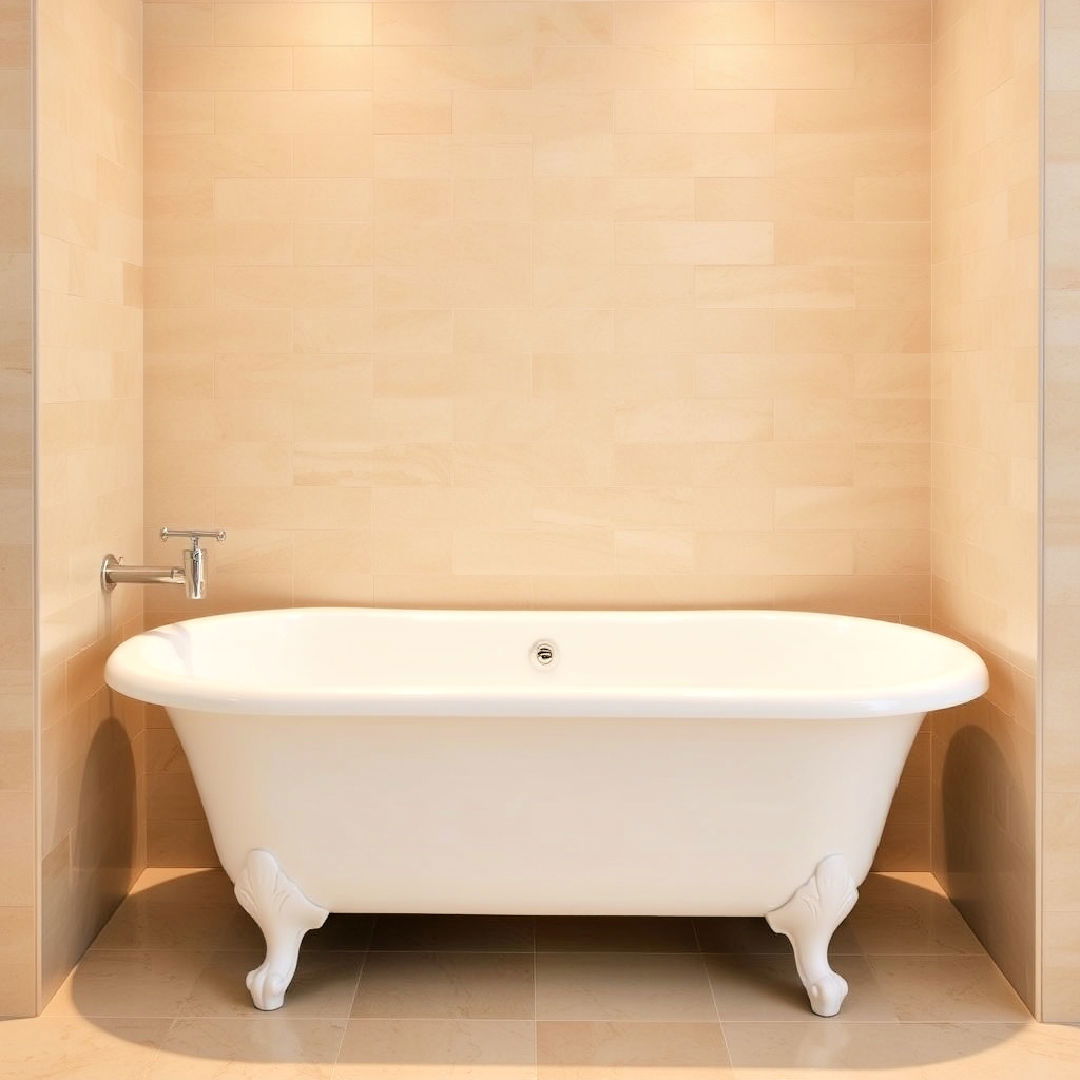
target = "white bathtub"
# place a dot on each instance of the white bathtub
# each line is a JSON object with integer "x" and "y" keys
{"x": 664, "y": 763}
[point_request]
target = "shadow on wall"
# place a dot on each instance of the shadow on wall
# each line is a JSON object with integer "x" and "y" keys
{"x": 396, "y": 993}
{"x": 987, "y": 836}
{"x": 88, "y": 873}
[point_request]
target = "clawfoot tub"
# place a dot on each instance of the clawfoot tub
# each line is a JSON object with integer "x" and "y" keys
{"x": 708, "y": 763}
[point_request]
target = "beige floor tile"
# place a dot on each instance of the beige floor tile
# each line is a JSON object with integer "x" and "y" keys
{"x": 446, "y": 985}
{"x": 569, "y": 933}
{"x": 609, "y": 1050}
{"x": 1001, "y": 1052}
{"x": 756, "y": 936}
{"x": 887, "y": 882}
{"x": 142, "y": 922}
{"x": 180, "y": 885}
{"x": 342, "y": 933}
{"x": 78, "y": 1048}
{"x": 768, "y": 988}
{"x": 494, "y": 933}
{"x": 463, "y": 1011}
{"x": 438, "y": 1050}
{"x": 622, "y": 986}
{"x": 920, "y": 924}
{"x": 842, "y": 1051}
{"x": 129, "y": 982}
{"x": 324, "y": 986}
{"x": 909, "y": 914}
{"x": 947, "y": 988}
{"x": 278, "y": 1047}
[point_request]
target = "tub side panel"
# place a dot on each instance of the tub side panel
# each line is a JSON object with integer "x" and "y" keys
{"x": 574, "y": 816}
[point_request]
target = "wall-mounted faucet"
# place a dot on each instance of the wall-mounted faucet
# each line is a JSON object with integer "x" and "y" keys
{"x": 192, "y": 575}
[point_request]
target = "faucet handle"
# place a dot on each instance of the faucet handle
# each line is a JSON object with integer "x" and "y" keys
{"x": 192, "y": 534}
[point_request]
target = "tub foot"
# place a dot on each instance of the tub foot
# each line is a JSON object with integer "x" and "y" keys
{"x": 809, "y": 920}
{"x": 284, "y": 915}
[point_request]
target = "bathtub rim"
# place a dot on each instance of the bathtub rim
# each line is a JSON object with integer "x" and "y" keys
{"x": 128, "y": 673}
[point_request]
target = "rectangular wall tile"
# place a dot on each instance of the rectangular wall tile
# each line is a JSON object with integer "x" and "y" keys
{"x": 1061, "y": 501}
{"x": 985, "y": 301}
{"x": 18, "y": 794}
{"x": 541, "y": 303}
{"x": 90, "y": 296}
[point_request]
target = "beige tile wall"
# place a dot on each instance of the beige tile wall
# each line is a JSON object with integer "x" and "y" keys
{"x": 985, "y": 335}
{"x": 89, "y": 130}
{"x": 18, "y": 871}
{"x": 1061, "y": 614}
{"x": 542, "y": 303}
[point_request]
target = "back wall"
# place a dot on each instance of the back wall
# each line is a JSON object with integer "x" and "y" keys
{"x": 539, "y": 304}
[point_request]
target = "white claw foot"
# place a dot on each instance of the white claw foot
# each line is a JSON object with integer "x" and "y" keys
{"x": 809, "y": 920}
{"x": 285, "y": 915}
{"x": 267, "y": 987}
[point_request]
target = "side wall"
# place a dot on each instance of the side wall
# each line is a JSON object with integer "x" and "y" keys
{"x": 89, "y": 60}
{"x": 540, "y": 303}
{"x": 1061, "y": 479}
{"x": 985, "y": 336}
{"x": 18, "y": 869}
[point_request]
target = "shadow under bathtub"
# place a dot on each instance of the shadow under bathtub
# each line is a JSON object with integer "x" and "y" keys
{"x": 392, "y": 991}
{"x": 87, "y": 870}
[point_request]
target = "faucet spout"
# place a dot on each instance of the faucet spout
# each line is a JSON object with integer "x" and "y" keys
{"x": 116, "y": 574}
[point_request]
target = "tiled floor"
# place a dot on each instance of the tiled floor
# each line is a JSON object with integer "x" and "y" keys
{"x": 161, "y": 995}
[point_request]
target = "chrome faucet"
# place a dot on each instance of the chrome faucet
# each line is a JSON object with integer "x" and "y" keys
{"x": 192, "y": 575}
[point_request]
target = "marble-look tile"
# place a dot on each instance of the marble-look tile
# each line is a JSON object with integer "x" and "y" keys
{"x": 129, "y": 983}
{"x": 141, "y": 922}
{"x": 910, "y": 921}
{"x": 622, "y": 986}
{"x": 841, "y": 1051}
{"x": 278, "y": 1047}
{"x": 182, "y": 885}
{"x": 324, "y": 985}
{"x": 446, "y": 985}
{"x": 603, "y": 1015}
{"x": 491, "y": 933}
{"x": 1045, "y": 1051}
{"x": 80, "y": 1048}
{"x": 444, "y": 1049}
{"x": 917, "y": 1051}
{"x": 767, "y": 988}
{"x": 947, "y": 988}
{"x": 617, "y": 1050}
{"x": 889, "y": 884}
{"x": 571, "y": 933}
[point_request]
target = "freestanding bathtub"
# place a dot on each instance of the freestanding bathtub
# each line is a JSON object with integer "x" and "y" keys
{"x": 723, "y": 763}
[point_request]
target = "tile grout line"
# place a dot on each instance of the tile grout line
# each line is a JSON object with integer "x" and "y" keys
{"x": 712, "y": 993}
{"x": 536, "y": 999}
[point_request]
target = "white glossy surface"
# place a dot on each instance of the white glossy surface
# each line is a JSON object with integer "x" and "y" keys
{"x": 809, "y": 920}
{"x": 700, "y": 763}
{"x": 671, "y": 762}
{"x": 366, "y": 661}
